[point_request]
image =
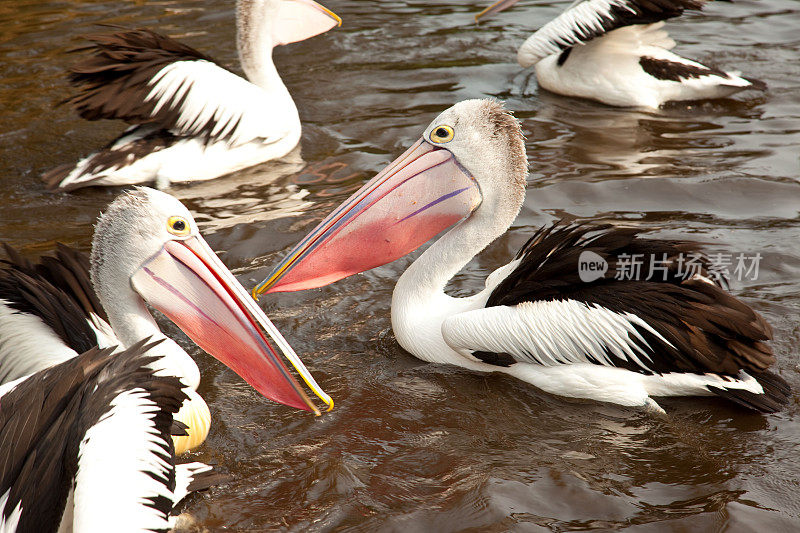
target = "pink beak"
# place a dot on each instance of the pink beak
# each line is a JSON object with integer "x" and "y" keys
{"x": 187, "y": 282}
{"x": 421, "y": 193}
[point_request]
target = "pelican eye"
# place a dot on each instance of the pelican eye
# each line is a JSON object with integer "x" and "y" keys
{"x": 442, "y": 134}
{"x": 178, "y": 226}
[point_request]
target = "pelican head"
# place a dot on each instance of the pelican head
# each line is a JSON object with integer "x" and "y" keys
{"x": 470, "y": 162}
{"x": 147, "y": 248}
{"x": 265, "y": 24}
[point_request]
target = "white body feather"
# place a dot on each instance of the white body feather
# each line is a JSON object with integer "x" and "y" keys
{"x": 115, "y": 459}
{"x": 550, "y": 333}
{"x": 606, "y": 47}
{"x": 579, "y": 16}
{"x": 124, "y": 447}
{"x": 607, "y": 69}
{"x": 255, "y": 125}
{"x": 184, "y": 475}
{"x": 555, "y": 337}
{"x": 27, "y": 345}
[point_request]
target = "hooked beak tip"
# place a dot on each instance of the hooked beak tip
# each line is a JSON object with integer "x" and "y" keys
{"x": 263, "y": 287}
{"x": 317, "y": 412}
{"x": 255, "y": 293}
{"x": 334, "y": 16}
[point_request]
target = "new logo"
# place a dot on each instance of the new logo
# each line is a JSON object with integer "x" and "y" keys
{"x": 591, "y": 266}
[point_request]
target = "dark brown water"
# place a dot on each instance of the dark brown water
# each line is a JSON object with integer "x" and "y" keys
{"x": 418, "y": 447}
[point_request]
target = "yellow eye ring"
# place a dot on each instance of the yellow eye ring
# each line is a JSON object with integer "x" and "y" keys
{"x": 442, "y": 134}
{"x": 178, "y": 226}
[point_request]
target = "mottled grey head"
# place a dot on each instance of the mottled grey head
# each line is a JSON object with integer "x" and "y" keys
{"x": 486, "y": 140}
{"x": 131, "y": 230}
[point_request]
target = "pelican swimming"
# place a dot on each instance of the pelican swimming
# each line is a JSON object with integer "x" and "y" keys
{"x": 146, "y": 250}
{"x": 191, "y": 119}
{"x": 619, "y": 341}
{"x": 617, "y": 52}
{"x": 86, "y": 447}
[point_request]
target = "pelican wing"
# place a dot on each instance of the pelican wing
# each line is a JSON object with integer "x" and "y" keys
{"x": 585, "y": 20}
{"x": 49, "y": 312}
{"x": 45, "y": 426}
{"x": 543, "y": 313}
{"x": 143, "y": 77}
{"x": 553, "y": 333}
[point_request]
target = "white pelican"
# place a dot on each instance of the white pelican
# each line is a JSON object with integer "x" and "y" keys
{"x": 146, "y": 249}
{"x": 86, "y": 447}
{"x": 191, "y": 118}
{"x": 117, "y": 463}
{"x": 616, "y": 52}
{"x": 619, "y": 341}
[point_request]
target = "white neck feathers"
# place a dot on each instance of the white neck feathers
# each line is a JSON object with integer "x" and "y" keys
{"x": 429, "y": 274}
{"x": 254, "y": 44}
{"x": 128, "y": 315}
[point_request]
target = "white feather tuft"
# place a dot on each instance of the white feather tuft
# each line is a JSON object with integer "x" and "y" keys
{"x": 9, "y": 519}
{"x": 115, "y": 461}
{"x": 551, "y": 333}
{"x": 184, "y": 475}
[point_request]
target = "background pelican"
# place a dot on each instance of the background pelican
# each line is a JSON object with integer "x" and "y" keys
{"x": 617, "y": 52}
{"x": 191, "y": 118}
{"x": 611, "y": 340}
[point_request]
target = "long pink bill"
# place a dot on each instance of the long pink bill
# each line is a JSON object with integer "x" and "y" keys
{"x": 495, "y": 8}
{"x": 187, "y": 282}
{"x": 421, "y": 193}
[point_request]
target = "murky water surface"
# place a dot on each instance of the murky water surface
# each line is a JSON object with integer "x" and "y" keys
{"x": 419, "y": 447}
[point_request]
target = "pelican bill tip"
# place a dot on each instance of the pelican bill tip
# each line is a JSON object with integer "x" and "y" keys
{"x": 481, "y": 14}
{"x": 265, "y": 285}
{"x": 256, "y": 293}
{"x": 335, "y": 17}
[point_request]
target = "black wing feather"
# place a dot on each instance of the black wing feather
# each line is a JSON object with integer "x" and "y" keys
{"x": 114, "y": 81}
{"x": 57, "y": 289}
{"x": 44, "y": 419}
{"x": 707, "y": 329}
{"x": 587, "y": 20}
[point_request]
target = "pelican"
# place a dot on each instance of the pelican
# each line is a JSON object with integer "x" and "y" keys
{"x": 617, "y": 52}
{"x": 86, "y": 446}
{"x": 620, "y": 341}
{"x": 146, "y": 248}
{"x": 191, "y": 119}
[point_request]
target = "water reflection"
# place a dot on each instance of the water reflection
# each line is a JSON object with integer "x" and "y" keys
{"x": 255, "y": 194}
{"x": 416, "y": 447}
